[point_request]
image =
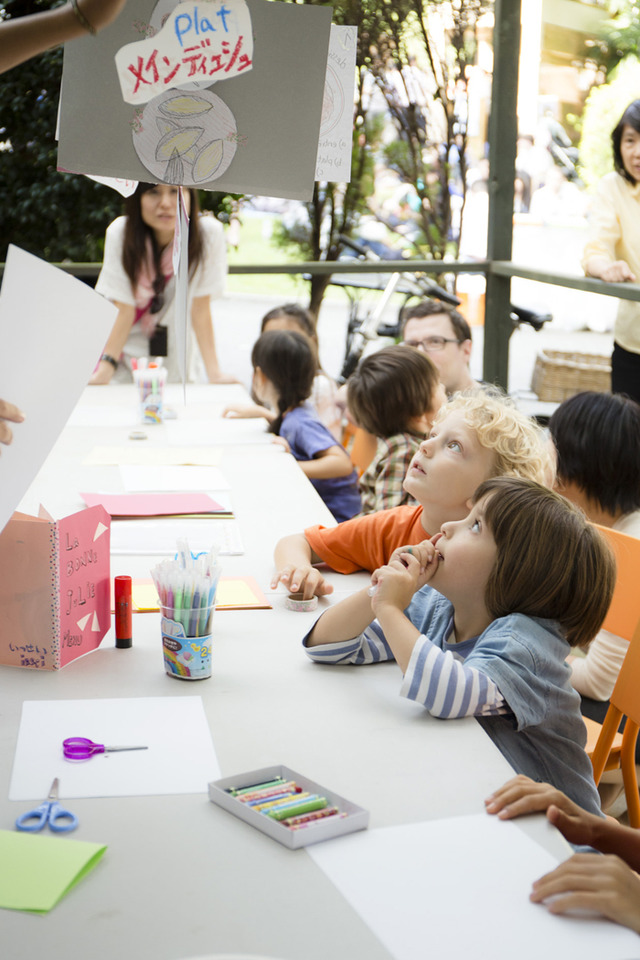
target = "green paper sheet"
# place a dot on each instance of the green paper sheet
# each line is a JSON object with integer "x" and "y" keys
{"x": 36, "y": 870}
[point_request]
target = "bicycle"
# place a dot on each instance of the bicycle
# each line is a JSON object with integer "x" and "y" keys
{"x": 368, "y": 333}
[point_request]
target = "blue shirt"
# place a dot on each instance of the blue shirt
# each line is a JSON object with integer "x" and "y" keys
{"x": 307, "y": 437}
{"x": 535, "y": 723}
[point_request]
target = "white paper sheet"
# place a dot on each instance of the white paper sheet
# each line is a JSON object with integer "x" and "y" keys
{"x": 52, "y": 328}
{"x": 459, "y": 888}
{"x": 219, "y": 432}
{"x": 336, "y": 130}
{"x": 144, "y": 455}
{"x": 108, "y": 415}
{"x": 180, "y": 759}
{"x": 166, "y": 478}
{"x": 158, "y": 537}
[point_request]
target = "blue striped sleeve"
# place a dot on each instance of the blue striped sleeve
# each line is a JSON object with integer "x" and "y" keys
{"x": 369, "y": 647}
{"x": 447, "y": 687}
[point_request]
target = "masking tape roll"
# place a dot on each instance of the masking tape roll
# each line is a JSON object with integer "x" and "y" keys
{"x": 295, "y": 602}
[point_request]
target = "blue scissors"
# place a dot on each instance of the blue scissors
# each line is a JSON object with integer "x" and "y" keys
{"x": 50, "y": 812}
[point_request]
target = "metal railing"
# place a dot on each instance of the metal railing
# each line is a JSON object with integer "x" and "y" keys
{"x": 505, "y": 269}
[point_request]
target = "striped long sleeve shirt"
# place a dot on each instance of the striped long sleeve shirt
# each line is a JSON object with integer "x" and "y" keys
{"x": 436, "y": 678}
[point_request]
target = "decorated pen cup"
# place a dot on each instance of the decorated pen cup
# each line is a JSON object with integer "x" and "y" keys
{"x": 150, "y": 381}
{"x": 186, "y": 640}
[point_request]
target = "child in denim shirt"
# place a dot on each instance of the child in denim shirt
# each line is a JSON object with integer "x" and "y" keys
{"x": 480, "y": 619}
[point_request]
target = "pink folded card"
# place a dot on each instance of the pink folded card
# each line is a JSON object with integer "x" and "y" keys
{"x": 154, "y": 504}
{"x": 54, "y": 588}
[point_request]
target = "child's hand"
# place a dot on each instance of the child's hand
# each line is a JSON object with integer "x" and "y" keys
{"x": 395, "y": 583}
{"x": 281, "y": 442}
{"x": 242, "y": 412}
{"x": 588, "y": 881}
{"x": 522, "y": 795}
{"x": 303, "y": 579}
{"x": 426, "y": 556}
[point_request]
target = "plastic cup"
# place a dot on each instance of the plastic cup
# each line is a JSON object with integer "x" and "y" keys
{"x": 150, "y": 382}
{"x": 186, "y": 641}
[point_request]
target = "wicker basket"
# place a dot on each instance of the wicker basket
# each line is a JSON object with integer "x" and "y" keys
{"x": 557, "y": 375}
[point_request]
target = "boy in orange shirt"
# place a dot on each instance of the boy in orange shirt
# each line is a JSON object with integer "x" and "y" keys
{"x": 475, "y": 436}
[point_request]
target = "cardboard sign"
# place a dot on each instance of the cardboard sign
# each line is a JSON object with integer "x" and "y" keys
{"x": 54, "y": 588}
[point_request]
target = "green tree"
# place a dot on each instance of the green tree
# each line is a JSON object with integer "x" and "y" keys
{"x": 602, "y": 110}
{"x": 54, "y": 215}
{"x": 391, "y": 34}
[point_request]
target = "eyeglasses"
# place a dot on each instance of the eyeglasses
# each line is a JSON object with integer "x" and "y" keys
{"x": 430, "y": 344}
{"x": 157, "y": 303}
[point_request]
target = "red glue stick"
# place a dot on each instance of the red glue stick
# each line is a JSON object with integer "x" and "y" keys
{"x": 124, "y": 638}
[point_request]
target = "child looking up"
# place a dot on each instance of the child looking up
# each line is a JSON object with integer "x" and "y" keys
{"x": 494, "y": 603}
{"x": 393, "y": 394}
{"x": 475, "y": 436}
{"x": 284, "y": 366}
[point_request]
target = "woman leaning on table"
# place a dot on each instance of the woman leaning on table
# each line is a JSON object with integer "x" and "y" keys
{"x": 612, "y": 252}
{"x": 137, "y": 275}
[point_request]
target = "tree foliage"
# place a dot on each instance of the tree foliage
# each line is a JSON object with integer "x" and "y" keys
{"x": 603, "y": 108}
{"x": 391, "y": 33}
{"x": 56, "y": 216}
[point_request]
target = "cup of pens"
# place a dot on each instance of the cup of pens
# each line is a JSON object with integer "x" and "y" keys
{"x": 150, "y": 379}
{"x": 187, "y": 590}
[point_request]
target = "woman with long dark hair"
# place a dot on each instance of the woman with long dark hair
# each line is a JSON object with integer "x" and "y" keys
{"x": 137, "y": 275}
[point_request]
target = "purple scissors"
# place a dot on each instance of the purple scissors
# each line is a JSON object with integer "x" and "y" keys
{"x": 79, "y": 748}
{"x": 50, "y": 812}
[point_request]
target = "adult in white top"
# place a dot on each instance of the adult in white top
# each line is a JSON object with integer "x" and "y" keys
{"x": 137, "y": 275}
{"x": 612, "y": 252}
{"x": 597, "y": 438}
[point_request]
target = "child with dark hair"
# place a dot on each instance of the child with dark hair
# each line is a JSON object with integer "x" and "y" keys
{"x": 597, "y": 440}
{"x": 284, "y": 366}
{"x": 393, "y": 394}
{"x": 324, "y": 390}
{"x": 480, "y": 619}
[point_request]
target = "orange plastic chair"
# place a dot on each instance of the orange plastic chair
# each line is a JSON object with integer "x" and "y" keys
{"x": 360, "y": 445}
{"x": 612, "y": 750}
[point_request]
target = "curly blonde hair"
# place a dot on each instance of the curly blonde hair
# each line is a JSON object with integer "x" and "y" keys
{"x": 521, "y": 447}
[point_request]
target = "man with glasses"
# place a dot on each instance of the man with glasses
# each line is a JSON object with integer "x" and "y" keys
{"x": 444, "y": 334}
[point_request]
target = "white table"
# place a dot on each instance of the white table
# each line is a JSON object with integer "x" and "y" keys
{"x": 181, "y": 877}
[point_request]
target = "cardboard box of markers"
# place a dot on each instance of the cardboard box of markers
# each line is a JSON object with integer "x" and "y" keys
{"x": 309, "y": 814}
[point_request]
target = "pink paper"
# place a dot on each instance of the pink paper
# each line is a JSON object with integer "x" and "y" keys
{"x": 153, "y": 504}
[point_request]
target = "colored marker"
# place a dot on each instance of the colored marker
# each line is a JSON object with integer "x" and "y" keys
{"x": 280, "y": 788}
{"x": 281, "y": 813}
{"x": 238, "y": 791}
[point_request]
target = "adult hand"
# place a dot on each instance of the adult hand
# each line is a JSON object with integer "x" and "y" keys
{"x": 220, "y": 377}
{"x": 8, "y": 411}
{"x": 522, "y": 795}
{"x": 617, "y": 272}
{"x": 103, "y": 373}
{"x": 589, "y": 881}
{"x": 303, "y": 579}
